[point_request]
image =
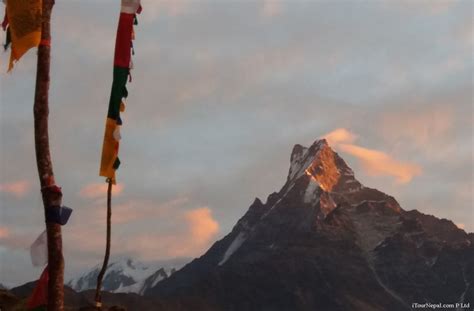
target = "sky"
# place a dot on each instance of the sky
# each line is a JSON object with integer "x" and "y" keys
{"x": 221, "y": 92}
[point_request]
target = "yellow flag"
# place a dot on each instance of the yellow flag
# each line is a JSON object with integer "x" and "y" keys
{"x": 24, "y": 17}
{"x": 109, "y": 162}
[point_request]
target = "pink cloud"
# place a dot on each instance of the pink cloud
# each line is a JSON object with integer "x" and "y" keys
{"x": 13, "y": 240}
{"x": 4, "y": 233}
{"x": 375, "y": 162}
{"x": 194, "y": 233}
{"x": 202, "y": 227}
{"x": 139, "y": 210}
{"x": 340, "y": 135}
{"x": 98, "y": 190}
{"x": 17, "y": 188}
{"x": 177, "y": 231}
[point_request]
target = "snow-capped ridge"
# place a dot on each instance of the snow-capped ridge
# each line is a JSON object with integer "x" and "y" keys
{"x": 125, "y": 275}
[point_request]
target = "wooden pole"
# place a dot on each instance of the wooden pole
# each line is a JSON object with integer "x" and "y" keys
{"x": 50, "y": 192}
{"x": 100, "y": 277}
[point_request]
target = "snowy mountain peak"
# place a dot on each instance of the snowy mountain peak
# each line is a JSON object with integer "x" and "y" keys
{"x": 322, "y": 228}
{"x": 324, "y": 167}
{"x": 126, "y": 275}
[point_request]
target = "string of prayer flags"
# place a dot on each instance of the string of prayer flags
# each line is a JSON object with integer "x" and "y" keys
{"x": 23, "y": 25}
{"x": 38, "y": 301}
{"x": 122, "y": 66}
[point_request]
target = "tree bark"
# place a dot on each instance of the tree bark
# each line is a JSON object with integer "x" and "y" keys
{"x": 50, "y": 192}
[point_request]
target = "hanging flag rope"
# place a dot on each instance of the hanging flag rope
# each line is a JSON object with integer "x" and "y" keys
{"x": 100, "y": 277}
{"x": 110, "y": 161}
{"x": 122, "y": 64}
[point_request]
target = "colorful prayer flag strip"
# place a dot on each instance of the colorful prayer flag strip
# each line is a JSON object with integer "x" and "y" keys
{"x": 122, "y": 65}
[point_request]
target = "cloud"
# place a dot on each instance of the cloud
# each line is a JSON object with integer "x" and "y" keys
{"x": 375, "y": 163}
{"x": 272, "y": 8}
{"x": 340, "y": 135}
{"x": 15, "y": 241}
{"x": 202, "y": 227}
{"x": 98, "y": 190}
{"x": 17, "y": 188}
{"x": 461, "y": 226}
{"x": 424, "y": 127}
{"x": 146, "y": 230}
{"x": 424, "y": 6}
{"x": 284, "y": 77}
{"x": 4, "y": 232}
{"x": 197, "y": 232}
{"x": 152, "y": 9}
{"x": 197, "y": 235}
{"x": 378, "y": 163}
{"x": 139, "y": 210}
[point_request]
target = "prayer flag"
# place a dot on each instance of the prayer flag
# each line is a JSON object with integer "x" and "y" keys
{"x": 39, "y": 250}
{"x": 38, "y": 300}
{"x": 122, "y": 65}
{"x": 24, "y": 19}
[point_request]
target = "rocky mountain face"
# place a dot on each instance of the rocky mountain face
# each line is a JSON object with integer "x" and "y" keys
{"x": 323, "y": 242}
{"x": 126, "y": 276}
{"x": 326, "y": 242}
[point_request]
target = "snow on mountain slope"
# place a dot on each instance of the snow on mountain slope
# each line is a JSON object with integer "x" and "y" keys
{"x": 126, "y": 275}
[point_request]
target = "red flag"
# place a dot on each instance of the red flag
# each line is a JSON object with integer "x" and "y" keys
{"x": 5, "y": 20}
{"x": 123, "y": 44}
{"x": 39, "y": 298}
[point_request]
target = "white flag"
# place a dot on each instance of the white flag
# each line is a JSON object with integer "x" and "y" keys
{"x": 39, "y": 250}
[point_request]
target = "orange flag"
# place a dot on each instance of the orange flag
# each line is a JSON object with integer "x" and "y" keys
{"x": 24, "y": 17}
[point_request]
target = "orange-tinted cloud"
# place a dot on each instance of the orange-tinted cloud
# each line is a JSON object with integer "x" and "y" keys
{"x": 17, "y": 188}
{"x": 139, "y": 210}
{"x": 376, "y": 163}
{"x": 4, "y": 232}
{"x": 13, "y": 240}
{"x": 176, "y": 231}
{"x": 98, "y": 190}
{"x": 202, "y": 227}
{"x": 194, "y": 232}
{"x": 340, "y": 135}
